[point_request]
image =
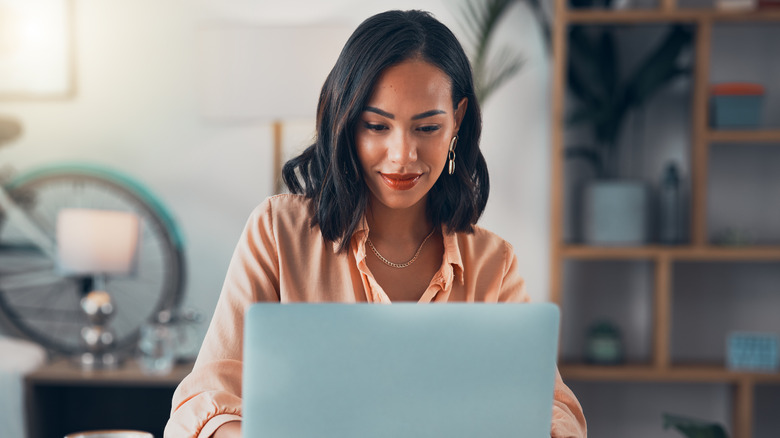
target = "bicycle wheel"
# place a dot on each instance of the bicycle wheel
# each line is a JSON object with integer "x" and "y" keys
{"x": 43, "y": 304}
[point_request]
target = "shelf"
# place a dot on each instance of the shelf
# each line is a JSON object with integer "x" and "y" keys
{"x": 713, "y": 253}
{"x": 650, "y": 16}
{"x": 748, "y": 136}
{"x": 613, "y": 252}
{"x": 689, "y": 253}
{"x": 64, "y": 373}
{"x": 660, "y": 367}
{"x": 677, "y": 373}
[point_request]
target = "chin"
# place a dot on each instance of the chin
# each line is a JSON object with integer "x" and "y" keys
{"x": 398, "y": 204}
{"x": 400, "y": 200}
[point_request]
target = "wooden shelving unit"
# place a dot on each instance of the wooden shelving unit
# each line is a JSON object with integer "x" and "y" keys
{"x": 661, "y": 367}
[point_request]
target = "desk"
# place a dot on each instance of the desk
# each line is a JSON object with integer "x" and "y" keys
{"x": 61, "y": 398}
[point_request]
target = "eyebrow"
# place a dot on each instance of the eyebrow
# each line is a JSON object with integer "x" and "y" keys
{"x": 415, "y": 117}
{"x": 427, "y": 114}
{"x": 380, "y": 112}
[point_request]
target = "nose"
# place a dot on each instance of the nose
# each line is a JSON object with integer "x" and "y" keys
{"x": 402, "y": 149}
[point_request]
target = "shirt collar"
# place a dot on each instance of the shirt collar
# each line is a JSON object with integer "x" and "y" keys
{"x": 452, "y": 257}
{"x": 452, "y": 254}
{"x": 358, "y": 241}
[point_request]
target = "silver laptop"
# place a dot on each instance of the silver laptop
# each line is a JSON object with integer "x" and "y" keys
{"x": 401, "y": 370}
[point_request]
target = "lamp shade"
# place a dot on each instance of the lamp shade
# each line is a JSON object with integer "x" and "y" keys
{"x": 96, "y": 241}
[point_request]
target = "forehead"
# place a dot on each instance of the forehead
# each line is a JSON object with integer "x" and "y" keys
{"x": 412, "y": 82}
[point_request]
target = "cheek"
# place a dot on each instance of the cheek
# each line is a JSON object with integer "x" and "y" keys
{"x": 363, "y": 149}
{"x": 437, "y": 150}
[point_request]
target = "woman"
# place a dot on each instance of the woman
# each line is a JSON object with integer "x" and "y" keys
{"x": 383, "y": 208}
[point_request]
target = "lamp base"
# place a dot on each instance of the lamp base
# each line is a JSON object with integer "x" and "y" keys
{"x": 97, "y": 337}
{"x": 98, "y": 361}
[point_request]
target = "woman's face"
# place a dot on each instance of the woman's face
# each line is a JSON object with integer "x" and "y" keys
{"x": 404, "y": 132}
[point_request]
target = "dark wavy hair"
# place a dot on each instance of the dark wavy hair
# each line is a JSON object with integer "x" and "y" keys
{"x": 329, "y": 173}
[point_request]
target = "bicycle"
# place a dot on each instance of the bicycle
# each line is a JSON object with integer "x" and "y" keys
{"x": 42, "y": 304}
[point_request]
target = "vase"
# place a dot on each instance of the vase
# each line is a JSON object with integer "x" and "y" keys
{"x": 615, "y": 212}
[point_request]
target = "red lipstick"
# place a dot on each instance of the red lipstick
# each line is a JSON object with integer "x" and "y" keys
{"x": 401, "y": 181}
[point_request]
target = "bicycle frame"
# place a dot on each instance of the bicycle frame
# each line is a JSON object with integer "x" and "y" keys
{"x": 16, "y": 215}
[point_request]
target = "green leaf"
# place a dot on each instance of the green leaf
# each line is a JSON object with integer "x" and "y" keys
{"x": 481, "y": 20}
{"x": 579, "y": 116}
{"x": 578, "y": 87}
{"x": 586, "y": 66}
{"x": 505, "y": 67}
{"x": 659, "y": 68}
{"x": 608, "y": 62}
{"x": 590, "y": 155}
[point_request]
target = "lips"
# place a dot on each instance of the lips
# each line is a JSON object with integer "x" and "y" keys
{"x": 401, "y": 181}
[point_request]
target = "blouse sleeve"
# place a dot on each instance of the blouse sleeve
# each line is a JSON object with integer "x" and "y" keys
{"x": 211, "y": 394}
{"x": 568, "y": 421}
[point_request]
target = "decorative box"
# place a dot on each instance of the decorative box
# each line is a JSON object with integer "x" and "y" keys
{"x": 736, "y": 105}
{"x": 736, "y": 5}
{"x": 753, "y": 351}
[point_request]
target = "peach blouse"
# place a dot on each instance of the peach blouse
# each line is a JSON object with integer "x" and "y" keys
{"x": 280, "y": 257}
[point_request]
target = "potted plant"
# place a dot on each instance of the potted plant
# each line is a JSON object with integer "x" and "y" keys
{"x": 614, "y": 207}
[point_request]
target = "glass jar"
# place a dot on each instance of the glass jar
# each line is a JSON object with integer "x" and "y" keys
{"x": 157, "y": 345}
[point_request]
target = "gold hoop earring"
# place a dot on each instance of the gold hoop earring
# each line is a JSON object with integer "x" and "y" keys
{"x": 451, "y": 154}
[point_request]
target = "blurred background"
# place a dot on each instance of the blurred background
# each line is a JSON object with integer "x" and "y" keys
{"x": 139, "y": 87}
{"x": 647, "y": 208}
{"x": 137, "y": 105}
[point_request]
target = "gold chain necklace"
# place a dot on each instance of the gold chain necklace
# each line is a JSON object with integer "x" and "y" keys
{"x": 400, "y": 265}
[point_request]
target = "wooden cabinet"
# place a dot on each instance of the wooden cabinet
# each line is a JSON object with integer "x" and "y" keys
{"x": 62, "y": 399}
{"x": 657, "y": 362}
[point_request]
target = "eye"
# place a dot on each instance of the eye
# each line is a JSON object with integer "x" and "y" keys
{"x": 374, "y": 127}
{"x": 428, "y": 128}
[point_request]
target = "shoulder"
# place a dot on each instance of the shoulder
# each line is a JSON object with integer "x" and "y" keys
{"x": 282, "y": 207}
{"x": 285, "y": 202}
{"x": 285, "y": 213}
{"x": 485, "y": 252}
{"x": 490, "y": 266}
{"x": 485, "y": 242}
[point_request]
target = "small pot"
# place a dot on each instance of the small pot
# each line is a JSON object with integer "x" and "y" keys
{"x": 615, "y": 212}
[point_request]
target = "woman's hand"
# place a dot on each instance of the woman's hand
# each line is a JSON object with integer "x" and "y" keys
{"x": 230, "y": 429}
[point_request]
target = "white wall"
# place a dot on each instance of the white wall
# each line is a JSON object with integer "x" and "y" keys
{"x": 136, "y": 110}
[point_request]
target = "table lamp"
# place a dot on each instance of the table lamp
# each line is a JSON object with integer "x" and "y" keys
{"x": 95, "y": 244}
{"x": 266, "y": 74}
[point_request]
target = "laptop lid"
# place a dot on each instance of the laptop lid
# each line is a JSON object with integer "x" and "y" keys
{"x": 401, "y": 370}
